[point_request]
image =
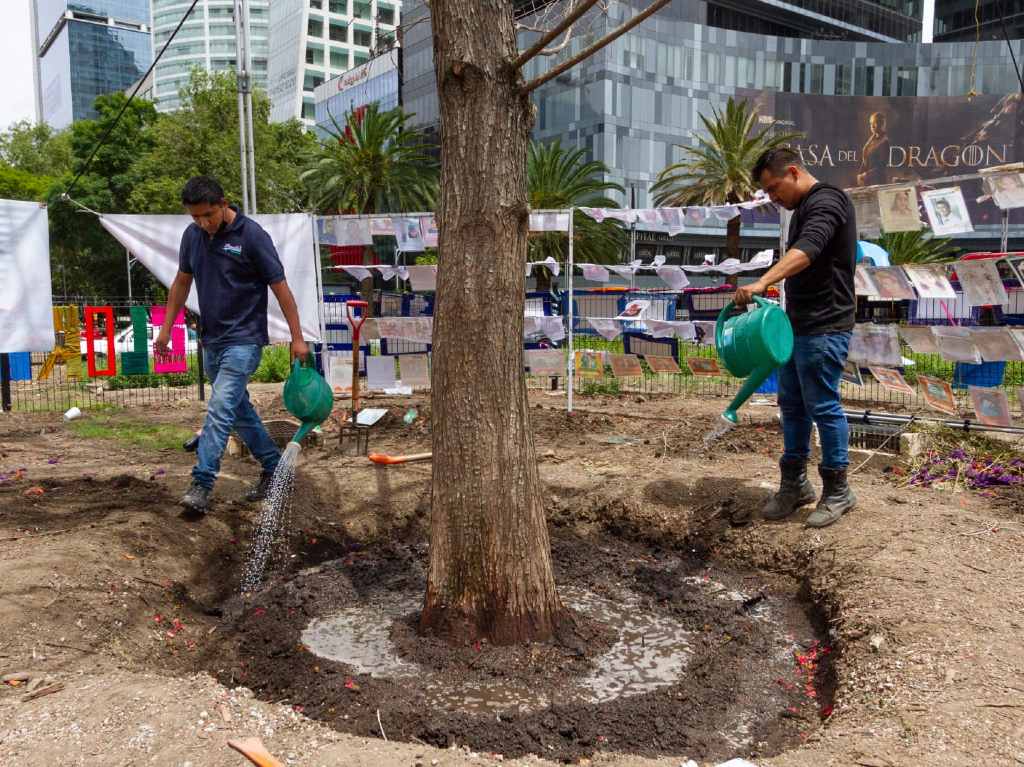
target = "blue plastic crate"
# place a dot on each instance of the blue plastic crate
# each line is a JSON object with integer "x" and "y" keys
{"x": 771, "y": 384}
{"x": 987, "y": 374}
{"x": 21, "y": 366}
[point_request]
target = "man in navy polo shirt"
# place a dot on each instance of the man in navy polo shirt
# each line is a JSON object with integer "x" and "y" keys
{"x": 233, "y": 261}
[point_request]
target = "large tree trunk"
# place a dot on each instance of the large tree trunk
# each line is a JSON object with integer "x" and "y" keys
{"x": 490, "y": 559}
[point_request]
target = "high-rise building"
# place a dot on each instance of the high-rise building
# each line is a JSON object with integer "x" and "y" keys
{"x": 312, "y": 41}
{"x": 84, "y": 49}
{"x": 969, "y": 20}
{"x": 206, "y": 41}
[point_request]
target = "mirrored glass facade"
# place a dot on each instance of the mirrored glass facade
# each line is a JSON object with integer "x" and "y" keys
{"x": 635, "y": 102}
{"x": 87, "y": 48}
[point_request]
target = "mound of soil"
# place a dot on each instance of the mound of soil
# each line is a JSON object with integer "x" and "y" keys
{"x": 742, "y": 686}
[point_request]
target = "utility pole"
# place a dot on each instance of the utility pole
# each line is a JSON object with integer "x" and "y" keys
{"x": 243, "y": 67}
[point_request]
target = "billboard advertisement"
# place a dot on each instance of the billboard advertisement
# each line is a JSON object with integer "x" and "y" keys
{"x": 375, "y": 82}
{"x": 854, "y": 141}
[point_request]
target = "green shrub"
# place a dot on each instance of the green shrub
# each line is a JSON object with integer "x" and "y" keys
{"x": 274, "y": 365}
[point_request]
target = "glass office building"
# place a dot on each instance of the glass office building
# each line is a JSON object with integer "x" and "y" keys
{"x": 312, "y": 41}
{"x": 636, "y": 101}
{"x": 206, "y": 41}
{"x": 84, "y": 49}
{"x": 375, "y": 82}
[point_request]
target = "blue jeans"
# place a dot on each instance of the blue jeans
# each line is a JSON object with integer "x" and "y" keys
{"x": 809, "y": 392}
{"x": 229, "y": 368}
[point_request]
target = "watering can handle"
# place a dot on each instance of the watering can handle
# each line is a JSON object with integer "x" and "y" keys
{"x": 724, "y": 314}
{"x": 308, "y": 362}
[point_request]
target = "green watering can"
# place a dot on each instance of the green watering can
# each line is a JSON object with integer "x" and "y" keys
{"x": 307, "y": 396}
{"x": 752, "y": 345}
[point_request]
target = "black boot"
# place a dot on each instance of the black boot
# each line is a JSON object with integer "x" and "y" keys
{"x": 197, "y": 499}
{"x": 794, "y": 490}
{"x": 258, "y": 492}
{"x": 836, "y": 498}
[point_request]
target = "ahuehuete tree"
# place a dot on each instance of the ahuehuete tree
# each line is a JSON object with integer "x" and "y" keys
{"x": 717, "y": 170}
{"x": 489, "y": 573}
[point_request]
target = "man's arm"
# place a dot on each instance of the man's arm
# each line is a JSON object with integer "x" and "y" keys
{"x": 176, "y": 297}
{"x": 825, "y": 215}
{"x": 794, "y": 262}
{"x": 286, "y": 300}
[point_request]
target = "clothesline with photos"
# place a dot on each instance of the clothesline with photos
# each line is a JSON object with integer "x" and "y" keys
{"x": 894, "y": 207}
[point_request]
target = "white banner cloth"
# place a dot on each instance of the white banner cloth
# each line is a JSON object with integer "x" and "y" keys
{"x": 154, "y": 241}
{"x": 26, "y": 312}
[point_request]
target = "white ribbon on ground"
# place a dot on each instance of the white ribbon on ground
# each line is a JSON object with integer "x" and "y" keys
{"x": 154, "y": 241}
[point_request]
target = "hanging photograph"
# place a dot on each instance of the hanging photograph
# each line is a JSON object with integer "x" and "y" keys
{"x": 851, "y": 373}
{"x": 625, "y": 365}
{"x": 863, "y": 285}
{"x": 1007, "y": 190}
{"x": 875, "y": 345}
{"x": 991, "y": 406}
{"x": 430, "y": 231}
{"x": 891, "y": 380}
{"x": 919, "y": 338}
{"x": 634, "y": 310}
{"x": 981, "y": 283}
{"x": 947, "y": 211}
{"x": 938, "y": 394}
{"x": 930, "y": 280}
{"x": 956, "y": 345}
{"x": 703, "y": 366}
{"x": 589, "y": 364}
{"x": 413, "y": 371}
{"x": 892, "y": 283}
{"x": 407, "y": 233}
{"x": 663, "y": 364}
{"x": 865, "y": 209}
{"x": 545, "y": 362}
{"x": 997, "y": 345}
{"x": 898, "y": 207}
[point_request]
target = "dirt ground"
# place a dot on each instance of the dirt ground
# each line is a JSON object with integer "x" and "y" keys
{"x": 106, "y": 589}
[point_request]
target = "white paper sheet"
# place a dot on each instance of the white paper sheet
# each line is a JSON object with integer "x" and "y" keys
{"x": 981, "y": 283}
{"x": 956, "y": 345}
{"x": 414, "y": 371}
{"x": 947, "y": 211}
{"x": 673, "y": 276}
{"x": 608, "y": 329}
{"x": 920, "y": 338}
{"x": 594, "y": 272}
{"x": 545, "y": 362}
{"x": 423, "y": 278}
{"x": 26, "y": 311}
{"x": 930, "y": 281}
{"x": 380, "y": 372}
{"x": 875, "y": 345}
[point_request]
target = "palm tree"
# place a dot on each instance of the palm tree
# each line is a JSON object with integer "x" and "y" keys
{"x": 916, "y": 247}
{"x": 717, "y": 170}
{"x": 374, "y": 164}
{"x": 560, "y": 178}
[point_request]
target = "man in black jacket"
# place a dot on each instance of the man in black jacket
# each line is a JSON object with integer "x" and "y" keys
{"x": 818, "y": 268}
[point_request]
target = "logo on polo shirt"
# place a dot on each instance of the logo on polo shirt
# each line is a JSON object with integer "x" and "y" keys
{"x": 234, "y": 250}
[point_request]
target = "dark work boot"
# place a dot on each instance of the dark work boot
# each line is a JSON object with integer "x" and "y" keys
{"x": 836, "y": 498}
{"x": 258, "y": 492}
{"x": 197, "y": 499}
{"x": 794, "y": 491}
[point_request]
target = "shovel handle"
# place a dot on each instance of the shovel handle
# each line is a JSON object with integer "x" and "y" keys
{"x": 384, "y": 459}
{"x": 362, "y": 306}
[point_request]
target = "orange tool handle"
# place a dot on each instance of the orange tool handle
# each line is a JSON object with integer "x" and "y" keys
{"x": 389, "y": 460}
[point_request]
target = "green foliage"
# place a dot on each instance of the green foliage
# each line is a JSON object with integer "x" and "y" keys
{"x": 36, "y": 149}
{"x": 717, "y": 170}
{"x": 17, "y": 184}
{"x": 275, "y": 365}
{"x": 202, "y": 138}
{"x": 916, "y": 247}
{"x": 152, "y": 380}
{"x": 145, "y": 435}
{"x": 372, "y": 164}
{"x": 560, "y": 178}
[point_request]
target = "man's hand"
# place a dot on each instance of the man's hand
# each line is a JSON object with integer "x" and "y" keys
{"x": 744, "y": 295}
{"x": 162, "y": 342}
{"x": 299, "y": 349}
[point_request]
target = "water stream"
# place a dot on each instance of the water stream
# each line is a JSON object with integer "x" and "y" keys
{"x": 273, "y": 517}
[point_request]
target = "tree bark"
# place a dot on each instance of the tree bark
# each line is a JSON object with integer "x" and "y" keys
{"x": 490, "y": 570}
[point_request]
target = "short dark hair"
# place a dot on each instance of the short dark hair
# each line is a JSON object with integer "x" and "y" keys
{"x": 775, "y": 160}
{"x": 200, "y": 189}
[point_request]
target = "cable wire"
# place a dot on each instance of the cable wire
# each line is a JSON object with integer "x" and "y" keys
{"x": 1009, "y": 45}
{"x": 117, "y": 119}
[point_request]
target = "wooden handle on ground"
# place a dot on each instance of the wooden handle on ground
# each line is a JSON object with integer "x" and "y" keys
{"x": 389, "y": 460}
{"x": 254, "y": 750}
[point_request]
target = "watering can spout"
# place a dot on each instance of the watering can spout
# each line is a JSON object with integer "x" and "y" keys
{"x": 305, "y": 429}
{"x": 752, "y": 345}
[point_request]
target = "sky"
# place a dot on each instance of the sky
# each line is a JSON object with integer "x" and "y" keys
{"x": 17, "y": 99}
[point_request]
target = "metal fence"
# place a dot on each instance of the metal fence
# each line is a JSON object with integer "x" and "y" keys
{"x": 66, "y": 378}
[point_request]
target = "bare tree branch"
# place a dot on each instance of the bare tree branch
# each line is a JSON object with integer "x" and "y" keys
{"x": 564, "y": 24}
{"x": 588, "y": 52}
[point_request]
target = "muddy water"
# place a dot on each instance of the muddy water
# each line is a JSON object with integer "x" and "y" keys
{"x": 651, "y": 651}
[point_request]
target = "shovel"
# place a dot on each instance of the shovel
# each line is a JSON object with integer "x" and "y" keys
{"x": 356, "y": 327}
